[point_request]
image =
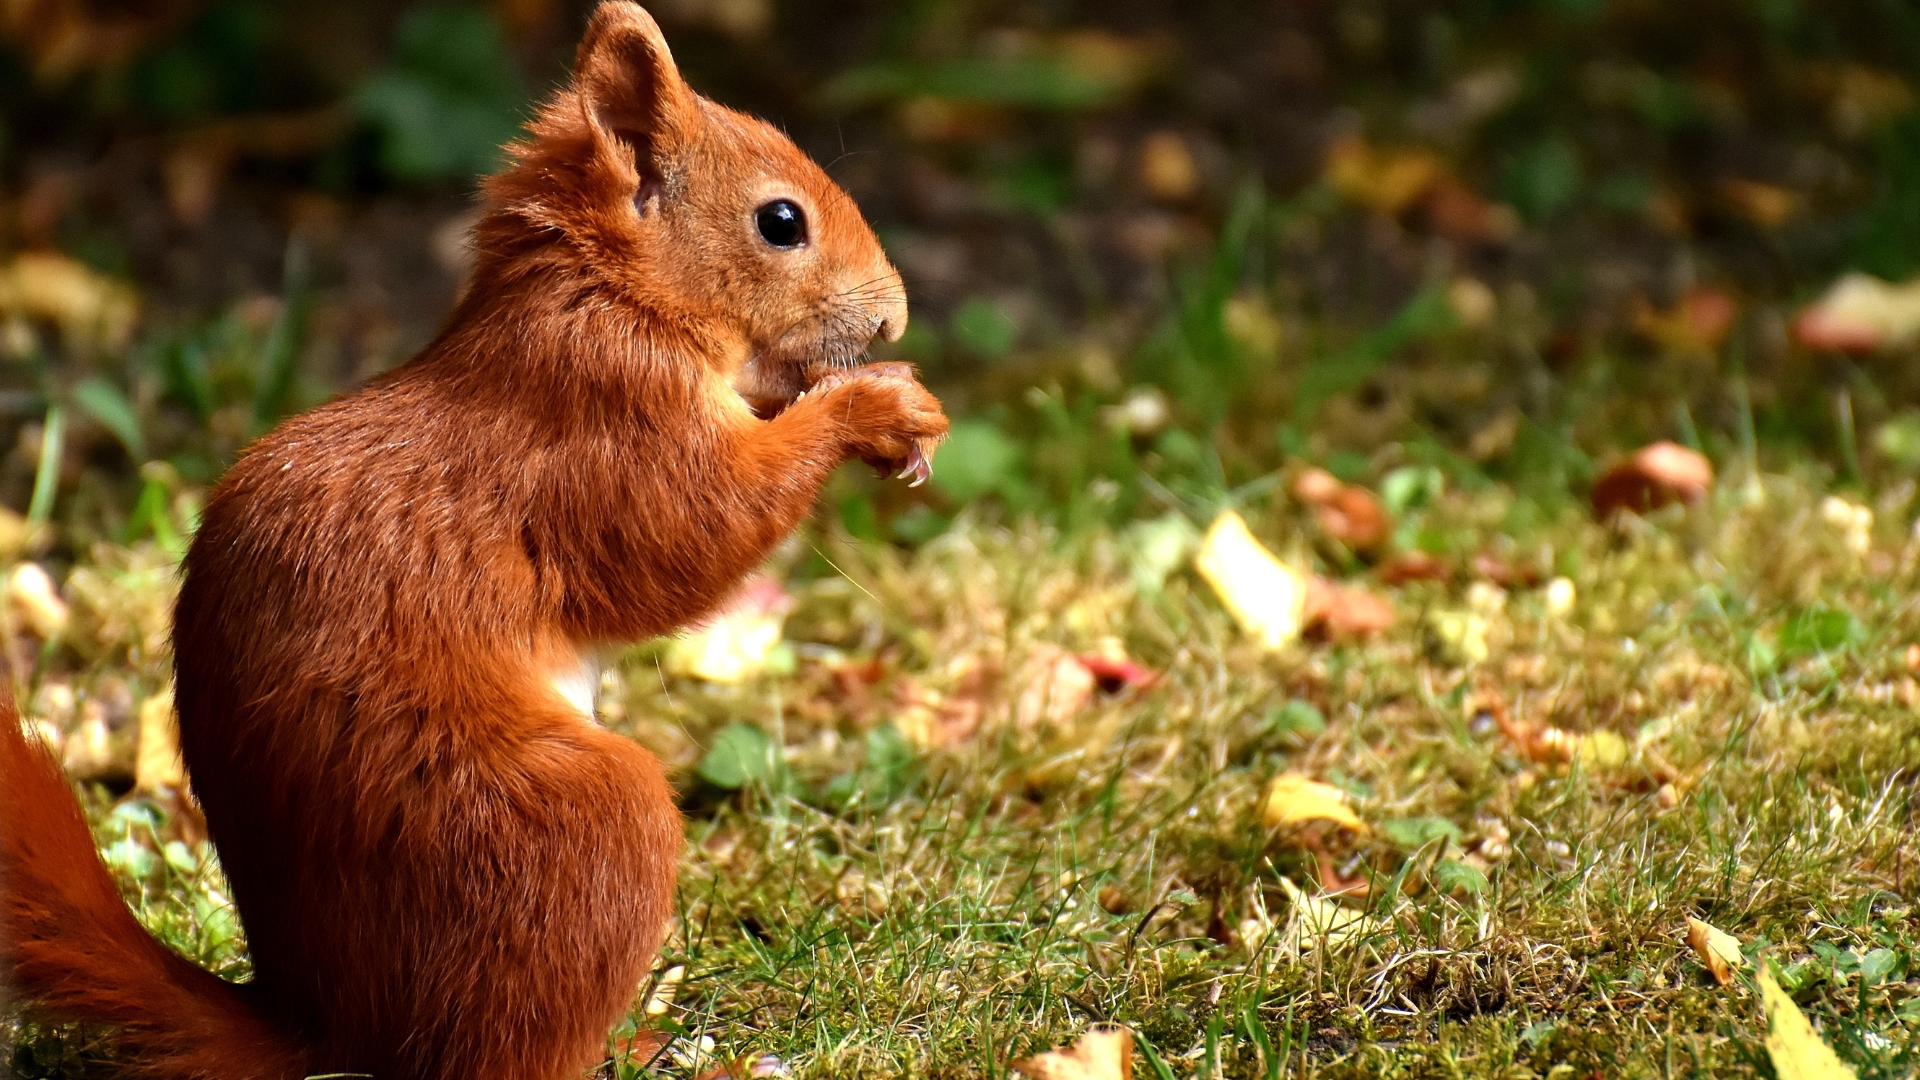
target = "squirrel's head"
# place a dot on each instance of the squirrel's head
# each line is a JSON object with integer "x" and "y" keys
{"x": 711, "y": 221}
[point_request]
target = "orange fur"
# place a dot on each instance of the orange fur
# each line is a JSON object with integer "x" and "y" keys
{"x": 443, "y": 867}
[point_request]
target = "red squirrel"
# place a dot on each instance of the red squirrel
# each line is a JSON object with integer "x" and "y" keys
{"x": 388, "y": 615}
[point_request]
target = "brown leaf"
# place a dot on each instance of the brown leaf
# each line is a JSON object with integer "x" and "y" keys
{"x": 1699, "y": 322}
{"x": 933, "y": 720}
{"x": 1766, "y": 205}
{"x": 1654, "y": 476}
{"x": 1503, "y": 573}
{"x": 1458, "y": 213}
{"x": 1105, "y": 1052}
{"x": 1054, "y": 686}
{"x": 1347, "y": 512}
{"x": 1343, "y": 611}
{"x": 1413, "y": 566}
{"x": 1332, "y": 882}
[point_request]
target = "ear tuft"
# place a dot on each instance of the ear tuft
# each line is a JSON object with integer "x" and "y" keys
{"x": 629, "y": 86}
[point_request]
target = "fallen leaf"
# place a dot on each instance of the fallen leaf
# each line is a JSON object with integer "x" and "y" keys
{"x": 1266, "y": 596}
{"x": 1167, "y": 169}
{"x": 36, "y": 601}
{"x": 1560, "y": 596}
{"x": 660, "y": 1001}
{"x": 1386, "y": 180}
{"x": 933, "y": 720}
{"x": 1103, "y": 1052}
{"x": 1860, "y": 313}
{"x": 1472, "y": 302}
{"x": 1413, "y": 566}
{"x": 1797, "y": 1050}
{"x": 739, "y": 642}
{"x": 1342, "y": 611}
{"x": 1458, "y": 213}
{"x": 1698, "y": 322}
{"x": 1505, "y": 574}
{"x": 1862, "y": 98}
{"x": 1655, "y": 476}
{"x": 1115, "y": 674}
{"x": 89, "y": 750}
{"x": 1347, "y": 512}
{"x": 89, "y": 308}
{"x": 1766, "y": 205}
{"x": 1318, "y": 922}
{"x": 1457, "y": 637}
{"x": 157, "y": 765}
{"x": 1332, "y": 881}
{"x": 1716, "y": 948}
{"x": 1293, "y": 799}
{"x": 1853, "y": 521}
{"x": 1054, "y": 687}
{"x": 1547, "y": 744}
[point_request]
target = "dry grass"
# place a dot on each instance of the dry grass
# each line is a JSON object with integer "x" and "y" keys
{"x": 873, "y": 909}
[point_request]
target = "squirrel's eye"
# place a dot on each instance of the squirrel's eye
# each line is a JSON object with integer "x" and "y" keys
{"x": 782, "y": 224}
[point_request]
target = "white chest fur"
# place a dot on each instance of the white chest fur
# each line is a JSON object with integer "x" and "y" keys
{"x": 578, "y": 684}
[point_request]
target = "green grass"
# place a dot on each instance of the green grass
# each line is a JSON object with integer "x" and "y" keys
{"x": 869, "y": 909}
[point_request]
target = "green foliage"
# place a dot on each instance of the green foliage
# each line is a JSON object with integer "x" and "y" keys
{"x": 1296, "y": 717}
{"x": 450, "y": 100}
{"x": 984, "y": 328}
{"x": 1542, "y": 180}
{"x": 1415, "y": 833}
{"x": 1817, "y": 630}
{"x": 213, "y": 68}
{"x": 1886, "y": 239}
{"x": 1037, "y": 82}
{"x": 978, "y": 459}
{"x": 1451, "y": 875}
{"x": 741, "y": 755}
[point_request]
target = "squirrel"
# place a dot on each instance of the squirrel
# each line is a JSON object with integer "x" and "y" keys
{"x": 385, "y": 632}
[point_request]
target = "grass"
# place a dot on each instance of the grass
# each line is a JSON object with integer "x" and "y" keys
{"x": 869, "y": 907}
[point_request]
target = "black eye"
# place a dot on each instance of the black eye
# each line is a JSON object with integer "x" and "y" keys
{"x": 782, "y": 224}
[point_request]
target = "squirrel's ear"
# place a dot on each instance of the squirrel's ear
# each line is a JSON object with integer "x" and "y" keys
{"x": 628, "y": 84}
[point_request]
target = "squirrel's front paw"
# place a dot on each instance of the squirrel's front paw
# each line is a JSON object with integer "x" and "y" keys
{"x": 891, "y": 422}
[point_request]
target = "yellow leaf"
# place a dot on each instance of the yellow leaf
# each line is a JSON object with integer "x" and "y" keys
{"x": 664, "y": 989}
{"x": 1105, "y": 1052}
{"x": 1292, "y": 799}
{"x": 737, "y": 644}
{"x": 1860, "y": 313}
{"x": 87, "y": 306}
{"x": 156, "y": 764}
{"x": 1603, "y": 749}
{"x": 1796, "y": 1049}
{"x": 1318, "y": 921}
{"x": 1266, "y": 596}
{"x": 1717, "y": 949}
{"x": 36, "y": 601}
{"x": 1382, "y": 179}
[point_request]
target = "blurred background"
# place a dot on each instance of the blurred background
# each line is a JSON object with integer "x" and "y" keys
{"x": 1154, "y": 249}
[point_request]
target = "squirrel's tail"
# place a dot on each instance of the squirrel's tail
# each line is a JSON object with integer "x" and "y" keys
{"x": 70, "y": 947}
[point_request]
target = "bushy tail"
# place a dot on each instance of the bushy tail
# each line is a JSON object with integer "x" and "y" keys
{"x": 70, "y": 946}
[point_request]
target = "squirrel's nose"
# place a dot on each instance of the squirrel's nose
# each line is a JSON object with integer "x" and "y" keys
{"x": 886, "y": 300}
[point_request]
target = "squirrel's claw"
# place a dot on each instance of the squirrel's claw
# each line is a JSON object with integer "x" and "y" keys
{"x": 919, "y": 466}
